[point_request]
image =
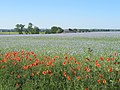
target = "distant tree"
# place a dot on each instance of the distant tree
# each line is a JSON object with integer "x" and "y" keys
{"x": 60, "y": 30}
{"x": 70, "y": 29}
{"x": 75, "y": 30}
{"x": 55, "y": 29}
{"x": 48, "y": 31}
{"x": 30, "y": 28}
{"x": 19, "y": 28}
{"x": 26, "y": 31}
{"x": 36, "y": 30}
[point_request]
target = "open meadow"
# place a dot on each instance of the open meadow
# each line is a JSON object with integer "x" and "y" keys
{"x": 80, "y": 61}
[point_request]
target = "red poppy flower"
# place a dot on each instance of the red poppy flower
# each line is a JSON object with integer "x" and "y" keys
{"x": 69, "y": 78}
{"x": 104, "y": 81}
{"x": 65, "y": 74}
{"x": 44, "y": 72}
{"x": 64, "y": 63}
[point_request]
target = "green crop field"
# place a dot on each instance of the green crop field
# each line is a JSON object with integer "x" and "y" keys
{"x": 60, "y": 62}
{"x": 8, "y": 33}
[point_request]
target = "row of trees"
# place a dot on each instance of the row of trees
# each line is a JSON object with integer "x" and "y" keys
{"x": 31, "y": 29}
{"x": 20, "y": 28}
{"x": 54, "y": 30}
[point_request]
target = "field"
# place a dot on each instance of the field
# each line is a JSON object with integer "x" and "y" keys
{"x": 8, "y": 33}
{"x": 89, "y": 61}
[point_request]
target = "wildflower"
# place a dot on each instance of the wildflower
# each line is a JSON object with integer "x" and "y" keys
{"x": 18, "y": 76}
{"x": 85, "y": 68}
{"x": 32, "y": 52}
{"x": 102, "y": 58}
{"x": 17, "y": 85}
{"x": 74, "y": 72}
{"x": 88, "y": 70}
{"x": 78, "y": 67}
{"x": 43, "y": 63}
{"x": 44, "y": 72}
{"x": 22, "y": 56}
{"x": 3, "y": 67}
{"x": 69, "y": 78}
{"x": 54, "y": 60}
{"x": 111, "y": 69}
{"x": 108, "y": 59}
{"x": 25, "y": 67}
{"x": 66, "y": 57}
{"x": 113, "y": 58}
{"x": 99, "y": 81}
{"x": 34, "y": 55}
{"x": 86, "y": 76}
{"x": 37, "y": 72}
{"x": 97, "y": 64}
{"x": 30, "y": 59}
{"x": 78, "y": 77}
{"x": 68, "y": 62}
{"x": 49, "y": 63}
{"x": 79, "y": 63}
{"x": 115, "y": 63}
{"x": 14, "y": 63}
{"x": 104, "y": 81}
{"x": 34, "y": 64}
{"x": 49, "y": 72}
{"x": 33, "y": 74}
{"x": 37, "y": 61}
{"x": 86, "y": 88}
{"x": 18, "y": 59}
{"x": 27, "y": 57}
{"x": 12, "y": 73}
{"x": 119, "y": 80}
{"x": 65, "y": 74}
{"x": 4, "y": 60}
{"x": 71, "y": 58}
{"x": 101, "y": 76}
{"x": 116, "y": 54}
{"x": 64, "y": 63}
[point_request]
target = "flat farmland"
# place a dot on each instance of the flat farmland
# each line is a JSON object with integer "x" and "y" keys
{"x": 80, "y": 61}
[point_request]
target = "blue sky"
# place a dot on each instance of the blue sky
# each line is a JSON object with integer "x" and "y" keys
{"x": 63, "y": 13}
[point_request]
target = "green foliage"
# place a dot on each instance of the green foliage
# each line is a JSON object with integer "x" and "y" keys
{"x": 20, "y": 28}
{"x": 55, "y": 29}
{"x": 36, "y": 30}
{"x": 30, "y": 28}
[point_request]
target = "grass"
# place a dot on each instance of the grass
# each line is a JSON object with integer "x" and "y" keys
{"x": 8, "y": 33}
{"x": 59, "y": 63}
{"x": 13, "y": 33}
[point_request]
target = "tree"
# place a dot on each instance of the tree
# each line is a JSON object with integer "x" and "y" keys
{"x": 19, "y": 28}
{"x": 26, "y": 31}
{"x": 36, "y": 30}
{"x": 60, "y": 30}
{"x": 30, "y": 28}
{"x": 55, "y": 29}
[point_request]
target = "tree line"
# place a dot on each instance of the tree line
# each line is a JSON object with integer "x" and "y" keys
{"x": 31, "y": 29}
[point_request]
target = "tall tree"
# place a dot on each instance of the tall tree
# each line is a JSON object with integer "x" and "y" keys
{"x": 36, "y": 30}
{"x": 30, "y": 28}
{"x": 19, "y": 28}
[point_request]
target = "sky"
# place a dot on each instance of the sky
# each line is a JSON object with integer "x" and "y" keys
{"x": 63, "y": 13}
